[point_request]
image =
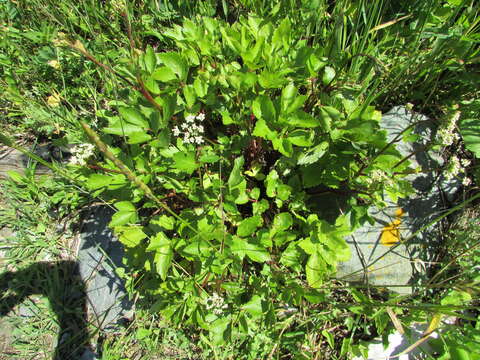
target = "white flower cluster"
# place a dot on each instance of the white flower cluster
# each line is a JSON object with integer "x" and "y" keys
{"x": 81, "y": 153}
{"x": 192, "y": 129}
{"x": 379, "y": 176}
{"x": 215, "y": 303}
{"x": 455, "y": 167}
{"x": 446, "y": 134}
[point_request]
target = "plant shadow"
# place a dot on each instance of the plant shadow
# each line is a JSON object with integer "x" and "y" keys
{"x": 61, "y": 284}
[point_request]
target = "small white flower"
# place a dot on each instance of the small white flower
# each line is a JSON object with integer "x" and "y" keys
{"x": 200, "y": 128}
{"x": 465, "y": 162}
{"x": 176, "y": 131}
{"x": 466, "y": 181}
{"x": 216, "y": 304}
{"x": 190, "y": 118}
{"x": 201, "y": 117}
{"x": 184, "y": 126}
{"x": 199, "y": 139}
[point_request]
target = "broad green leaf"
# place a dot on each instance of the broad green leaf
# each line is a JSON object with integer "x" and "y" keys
{"x": 97, "y": 181}
{"x": 236, "y": 176}
{"x": 185, "y": 162}
{"x": 284, "y": 146}
{"x": 262, "y": 130}
{"x": 282, "y": 221}
{"x": 125, "y": 206}
{"x": 314, "y": 64}
{"x": 122, "y": 128}
{"x": 139, "y": 137}
{"x": 315, "y": 270}
{"x": 292, "y": 256}
{"x": 242, "y": 248}
{"x": 122, "y": 218}
{"x": 197, "y": 248}
{"x": 201, "y": 87}
{"x": 132, "y": 236}
{"x": 176, "y": 63}
{"x": 248, "y": 226}
{"x": 166, "y": 222}
{"x": 328, "y": 75}
{"x": 329, "y": 115}
{"x": 133, "y": 116}
{"x": 313, "y": 155}
{"x": 283, "y": 191}
{"x": 163, "y": 254}
{"x": 150, "y": 59}
{"x": 290, "y": 100}
{"x": 302, "y": 119}
{"x": 301, "y": 137}
{"x": 219, "y": 331}
{"x": 271, "y": 183}
{"x": 152, "y": 86}
{"x": 164, "y": 74}
{"x": 470, "y": 131}
{"x": 260, "y": 207}
{"x": 263, "y": 108}
{"x": 190, "y": 95}
{"x": 270, "y": 80}
{"x": 254, "y": 306}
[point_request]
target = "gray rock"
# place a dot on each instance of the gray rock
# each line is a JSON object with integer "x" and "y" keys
{"x": 394, "y": 266}
{"x": 99, "y": 254}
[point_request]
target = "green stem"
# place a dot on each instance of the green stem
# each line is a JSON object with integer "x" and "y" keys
{"x": 130, "y": 175}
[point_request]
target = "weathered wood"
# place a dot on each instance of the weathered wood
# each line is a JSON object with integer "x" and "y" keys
{"x": 14, "y": 160}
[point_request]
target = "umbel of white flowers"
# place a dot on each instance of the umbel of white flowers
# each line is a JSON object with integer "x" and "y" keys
{"x": 192, "y": 129}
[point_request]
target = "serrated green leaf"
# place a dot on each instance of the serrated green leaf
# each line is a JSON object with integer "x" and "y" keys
{"x": 163, "y": 254}
{"x": 190, "y": 95}
{"x": 248, "y": 226}
{"x": 185, "y": 162}
{"x": 132, "y": 236}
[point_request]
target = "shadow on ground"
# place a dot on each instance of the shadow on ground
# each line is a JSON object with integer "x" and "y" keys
{"x": 61, "y": 283}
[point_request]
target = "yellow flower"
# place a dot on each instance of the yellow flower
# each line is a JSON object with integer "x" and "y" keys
{"x": 54, "y": 100}
{"x": 54, "y": 63}
{"x": 391, "y": 233}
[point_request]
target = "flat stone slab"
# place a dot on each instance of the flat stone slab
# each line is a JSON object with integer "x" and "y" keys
{"x": 99, "y": 254}
{"x": 374, "y": 262}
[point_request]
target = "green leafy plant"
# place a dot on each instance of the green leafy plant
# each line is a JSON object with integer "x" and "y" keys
{"x": 218, "y": 159}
